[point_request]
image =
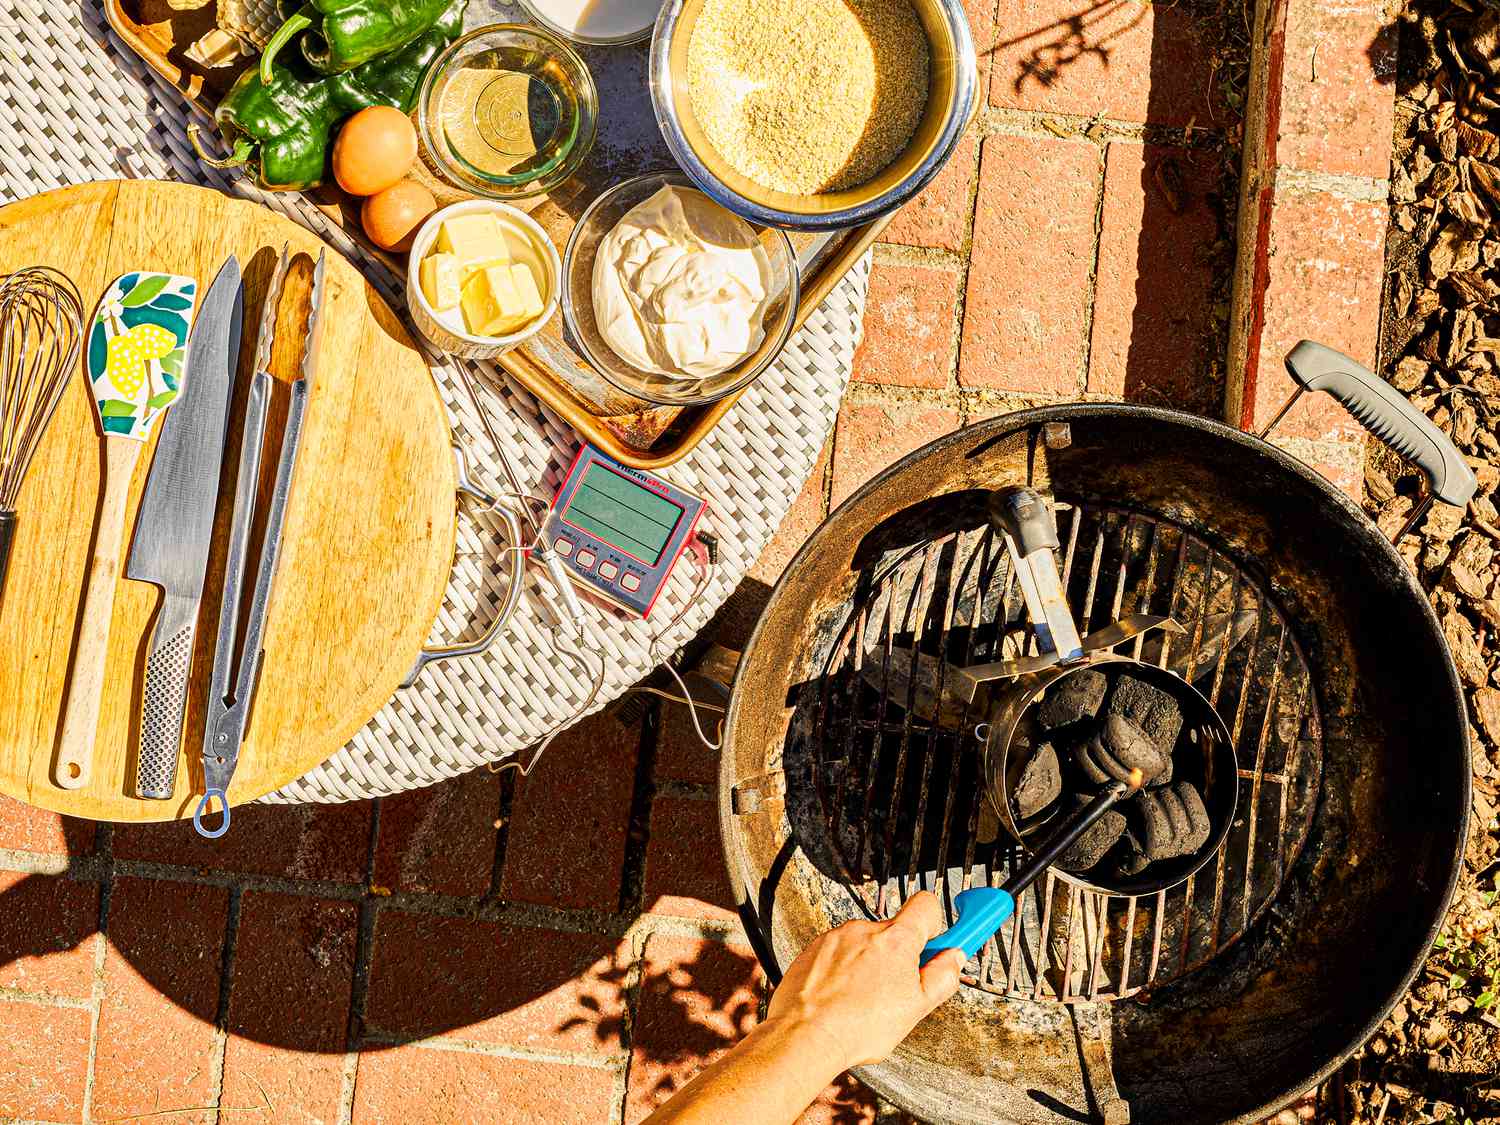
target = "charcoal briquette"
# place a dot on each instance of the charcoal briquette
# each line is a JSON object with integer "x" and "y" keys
{"x": 1073, "y": 699}
{"x": 1040, "y": 783}
{"x": 1130, "y": 857}
{"x": 1090, "y": 848}
{"x": 1172, "y": 821}
{"x": 1150, "y": 708}
{"x": 1118, "y": 747}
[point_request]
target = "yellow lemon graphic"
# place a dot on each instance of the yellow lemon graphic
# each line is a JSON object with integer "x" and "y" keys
{"x": 126, "y": 356}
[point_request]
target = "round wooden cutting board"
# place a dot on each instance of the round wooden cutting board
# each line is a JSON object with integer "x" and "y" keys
{"x": 369, "y": 534}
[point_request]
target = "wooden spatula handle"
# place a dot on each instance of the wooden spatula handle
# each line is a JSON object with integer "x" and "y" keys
{"x": 80, "y": 721}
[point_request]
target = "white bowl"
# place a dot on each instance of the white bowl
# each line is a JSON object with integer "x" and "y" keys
{"x": 445, "y": 330}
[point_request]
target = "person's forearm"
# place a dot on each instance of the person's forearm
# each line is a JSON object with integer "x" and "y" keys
{"x": 769, "y": 1078}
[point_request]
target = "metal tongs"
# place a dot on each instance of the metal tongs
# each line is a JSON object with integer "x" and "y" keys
{"x": 229, "y": 701}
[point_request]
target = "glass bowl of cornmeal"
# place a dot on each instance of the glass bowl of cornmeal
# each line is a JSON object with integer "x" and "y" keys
{"x": 508, "y": 112}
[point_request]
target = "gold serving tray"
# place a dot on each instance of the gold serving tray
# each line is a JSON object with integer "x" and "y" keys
{"x": 636, "y": 433}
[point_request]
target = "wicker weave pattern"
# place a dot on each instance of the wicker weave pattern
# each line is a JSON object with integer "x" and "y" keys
{"x": 78, "y": 106}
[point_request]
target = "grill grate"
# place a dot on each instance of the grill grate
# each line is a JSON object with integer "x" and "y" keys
{"x": 903, "y": 800}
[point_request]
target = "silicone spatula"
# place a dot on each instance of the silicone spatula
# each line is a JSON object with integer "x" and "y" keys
{"x": 134, "y": 357}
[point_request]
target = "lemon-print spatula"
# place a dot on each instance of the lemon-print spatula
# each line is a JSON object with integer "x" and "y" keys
{"x": 134, "y": 357}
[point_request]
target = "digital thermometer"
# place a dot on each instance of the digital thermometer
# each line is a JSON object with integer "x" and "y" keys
{"x": 620, "y": 531}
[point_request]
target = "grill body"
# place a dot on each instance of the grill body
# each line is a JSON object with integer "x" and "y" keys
{"x": 1218, "y": 1000}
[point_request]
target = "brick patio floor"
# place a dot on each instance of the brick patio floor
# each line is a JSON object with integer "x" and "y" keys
{"x": 561, "y": 949}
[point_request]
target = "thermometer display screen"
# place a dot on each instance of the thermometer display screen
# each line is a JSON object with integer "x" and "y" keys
{"x": 619, "y": 511}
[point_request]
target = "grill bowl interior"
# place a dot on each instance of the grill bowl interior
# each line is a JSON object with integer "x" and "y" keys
{"x": 1355, "y": 912}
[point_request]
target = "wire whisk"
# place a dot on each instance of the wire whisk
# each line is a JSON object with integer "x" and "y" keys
{"x": 41, "y": 330}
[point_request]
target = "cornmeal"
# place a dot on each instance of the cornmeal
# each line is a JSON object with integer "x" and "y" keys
{"x": 807, "y": 96}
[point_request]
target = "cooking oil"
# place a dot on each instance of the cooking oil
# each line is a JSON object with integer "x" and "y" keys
{"x": 511, "y": 115}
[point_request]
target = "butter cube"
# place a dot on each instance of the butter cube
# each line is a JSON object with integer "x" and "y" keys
{"x": 527, "y": 293}
{"x": 467, "y": 270}
{"x": 441, "y": 282}
{"x": 473, "y": 238}
{"x": 491, "y": 305}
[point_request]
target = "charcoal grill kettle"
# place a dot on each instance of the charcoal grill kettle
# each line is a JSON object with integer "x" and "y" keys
{"x": 1226, "y": 969}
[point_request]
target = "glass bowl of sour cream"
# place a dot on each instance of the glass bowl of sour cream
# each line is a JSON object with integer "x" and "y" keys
{"x": 596, "y": 23}
{"x": 673, "y": 298}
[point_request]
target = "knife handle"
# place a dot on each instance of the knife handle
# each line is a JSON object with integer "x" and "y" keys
{"x": 165, "y": 706}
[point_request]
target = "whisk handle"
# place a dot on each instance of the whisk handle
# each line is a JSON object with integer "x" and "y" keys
{"x": 7, "y": 537}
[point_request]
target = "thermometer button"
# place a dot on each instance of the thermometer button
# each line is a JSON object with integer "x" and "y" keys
{"x": 563, "y": 546}
{"x": 608, "y": 570}
{"x": 585, "y": 559}
{"x": 631, "y": 583}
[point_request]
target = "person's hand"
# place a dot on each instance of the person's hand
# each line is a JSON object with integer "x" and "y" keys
{"x": 860, "y": 985}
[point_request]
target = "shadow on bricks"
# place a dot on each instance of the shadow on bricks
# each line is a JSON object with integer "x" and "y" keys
{"x": 489, "y": 909}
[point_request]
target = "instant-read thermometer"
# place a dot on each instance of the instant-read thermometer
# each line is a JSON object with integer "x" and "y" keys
{"x": 619, "y": 531}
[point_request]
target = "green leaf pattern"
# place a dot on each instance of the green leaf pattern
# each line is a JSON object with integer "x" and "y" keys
{"x": 133, "y": 299}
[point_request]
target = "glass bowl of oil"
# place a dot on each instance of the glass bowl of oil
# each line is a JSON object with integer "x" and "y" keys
{"x": 508, "y": 112}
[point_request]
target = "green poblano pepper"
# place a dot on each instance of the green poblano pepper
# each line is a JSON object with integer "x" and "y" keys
{"x": 339, "y": 35}
{"x": 283, "y": 127}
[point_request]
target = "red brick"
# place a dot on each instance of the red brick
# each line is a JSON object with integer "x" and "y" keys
{"x": 685, "y": 873}
{"x": 1323, "y": 282}
{"x": 566, "y": 845}
{"x": 872, "y": 435}
{"x": 1344, "y": 473}
{"x": 680, "y": 754}
{"x": 908, "y": 326}
{"x": 698, "y": 998}
{"x": 440, "y": 840}
{"x": 1119, "y": 58}
{"x": 289, "y": 1006}
{"x": 422, "y": 1086}
{"x": 30, "y": 829}
{"x": 1153, "y": 322}
{"x": 44, "y": 1058}
{"x": 1338, "y": 88}
{"x": 1025, "y": 315}
{"x": 329, "y": 842}
{"x": 161, "y": 996}
{"x": 806, "y": 512}
{"x": 492, "y": 983}
{"x": 939, "y": 216}
{"x": 47, "y": 927}
{"x": 981, "y": 15}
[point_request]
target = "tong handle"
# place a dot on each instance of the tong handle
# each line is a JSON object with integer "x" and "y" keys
{"x": 1386, "y": 413}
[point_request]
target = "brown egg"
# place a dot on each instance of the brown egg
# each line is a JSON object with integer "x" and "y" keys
{"x": 375, "y": 148}
{"x": 391, "y": 217}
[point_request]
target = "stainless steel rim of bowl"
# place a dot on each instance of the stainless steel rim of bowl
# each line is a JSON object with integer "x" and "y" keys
{"x": 959, "y": 113}
{"x": 570, "y": 314}
{"x": 535, "y": 12}
{"x": 496, "y": 190}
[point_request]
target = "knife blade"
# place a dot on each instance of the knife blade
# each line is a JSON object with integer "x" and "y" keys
{"x": 175, "y": 524}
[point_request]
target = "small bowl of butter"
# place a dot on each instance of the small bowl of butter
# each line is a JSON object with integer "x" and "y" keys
{"x": 673, "y": 298}
{"x": 482, "y": 278}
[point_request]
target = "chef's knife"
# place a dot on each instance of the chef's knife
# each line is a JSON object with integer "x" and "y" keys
{"x": 175, "y": 524}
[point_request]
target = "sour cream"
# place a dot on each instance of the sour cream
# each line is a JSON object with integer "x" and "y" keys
{"x": 598, "y": 19}
{"x": 680, "y": 286}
